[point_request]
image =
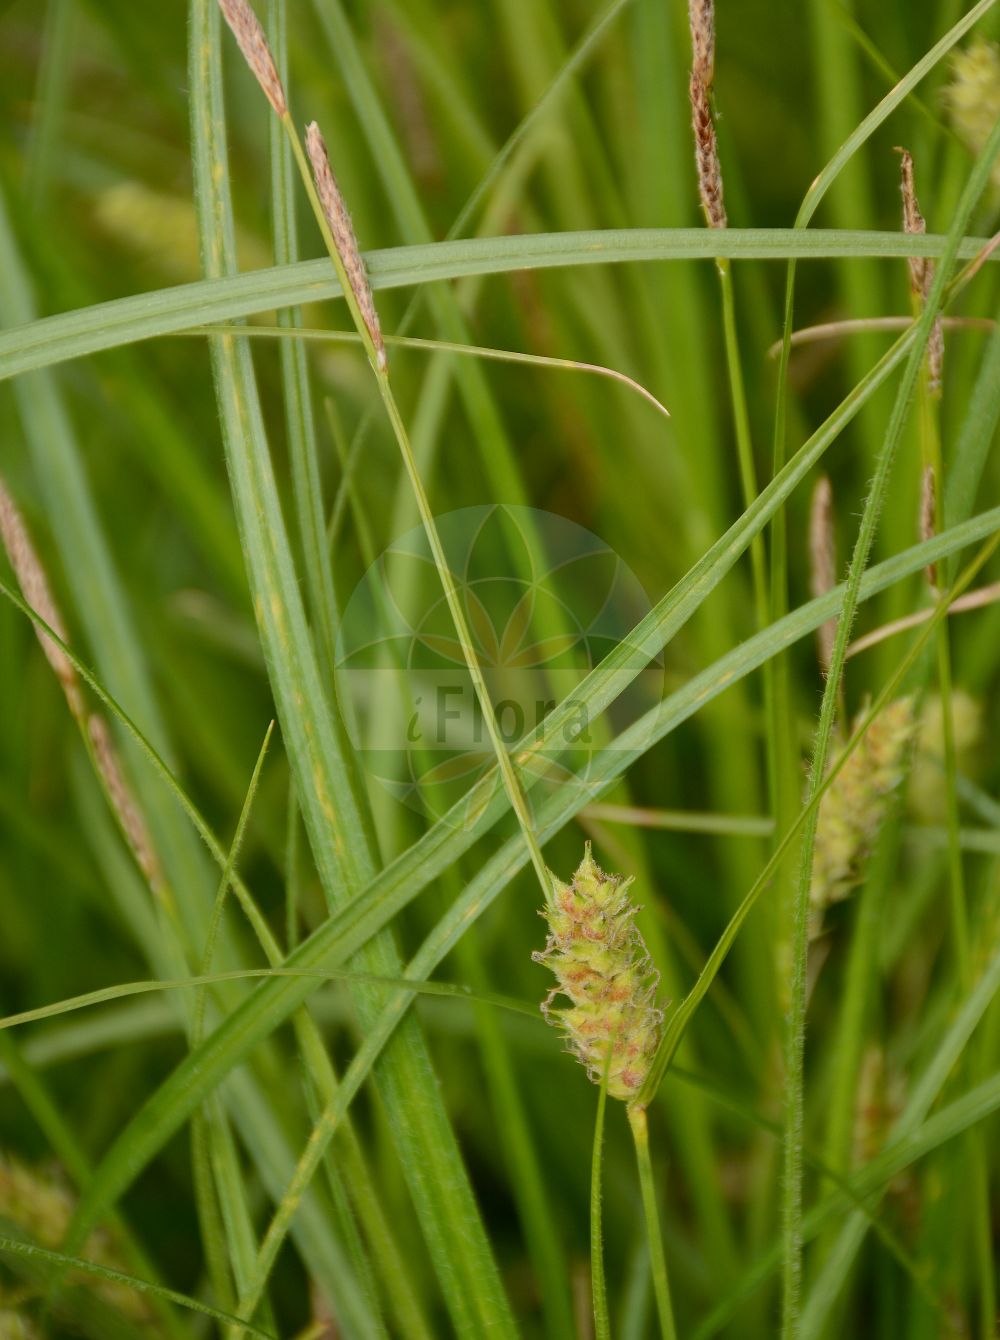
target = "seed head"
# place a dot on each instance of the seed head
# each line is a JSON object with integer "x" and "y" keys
{"x": 601, "y": 965}
{"x": 40, "y": 1203}
{"x": 38, "y": 594}
{"x": 928, "y": 516}
{"x": 921, "y": 268}
{"x": 256, "y": 52}
{"x": 701, "y": 14}
{"x": 122, "y": 801}
{"x": 35, "y": 587}
{"x": 972, "y": 97}
{"x": 701, "y": 17}
{"x": 853, "y": 809}
{"x": 17, "y": 1325}
{"x": 823, "y": 562}
{"x": 37, "y": 1201}
{"x": 344, "y": 239}
{"x": 926, "y": 790}
{"x": 913, "y": 222}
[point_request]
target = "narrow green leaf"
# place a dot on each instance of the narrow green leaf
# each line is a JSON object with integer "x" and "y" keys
{"x": 63, "y": 1262}
{"x": 946, "y": 1125}
{"x": 56, "y": 339}
{"x": 271, "y": 1004}
{"x": 328, "y": 786}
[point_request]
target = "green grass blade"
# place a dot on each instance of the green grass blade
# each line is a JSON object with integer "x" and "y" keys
{"x": 396, "y": 886}
{"x": 61, "y": 1261}
{"x": 220, "y": 1211}
{"x": 56, "y": 339}
{"x": 169, "y": 1107}
{"x": 965, "y": 468}
{"x": 922, "y": 1097}
{"x": 37, "y": 1098}
{"x": 531, "y": 1186}
{"x": 299, "y": 418}
{"x": 328, "y": 788}
{"x": 124, "y": 990}
{"x": 885, "y": 108}
{"x": 198, "y": 1074}
{"x": 795, "y": 1048}
{"x": 946, "y": 1125}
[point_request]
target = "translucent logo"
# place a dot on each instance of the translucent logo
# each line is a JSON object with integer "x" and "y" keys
{"x": 546, "y": 601}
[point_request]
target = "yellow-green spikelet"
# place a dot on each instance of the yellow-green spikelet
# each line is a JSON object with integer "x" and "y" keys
{"x": 926, "y": 793}
{"x": 972, "y": 96}
{"x": 40, "y": 1202}
{"x": 16, "y": 1325}
{"x": 601, "y": 965}
{"x": 854, "y": 807}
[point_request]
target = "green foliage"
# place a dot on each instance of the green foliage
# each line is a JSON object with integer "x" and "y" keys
{"x": 378, "y": 1130}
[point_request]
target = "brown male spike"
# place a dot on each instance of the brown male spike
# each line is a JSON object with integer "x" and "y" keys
{"x": 921, "y": 269}
{"x": 344, "y": 238}
{"x": 253, "y": 43}
{"x": 38, "y": 594}
{"x": 701, "y": 14}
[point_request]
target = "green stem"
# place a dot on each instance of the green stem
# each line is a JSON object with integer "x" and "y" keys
{"x": 744, "y": 443}
{"x": 513, "y": 786}
{"x": 602, "y": 1324}
{"x": 58, "y": 1131}
{"x": 977, "y": 1162}
{"x": 657, "y": 1257}
{"x": 506, "y": 767}
{"x": 303, "y": 447}
{"x": 776, "y": 704}
{"x": 528, "y": 1184}
{"x": 305, "y": 172}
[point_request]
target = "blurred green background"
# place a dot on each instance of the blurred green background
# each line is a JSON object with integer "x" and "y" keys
{"x": 97, "y": 193}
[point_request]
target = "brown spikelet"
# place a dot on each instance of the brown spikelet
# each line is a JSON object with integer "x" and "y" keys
{"x": 823, "y": 562}
{"x": 921, "y": 268}
{"x": 928, "y": 516}
{"x": 935, "y": 357}
{"x": 344, "y": 237}
{"x": 706, "y": 150}
{"x": 38, "y": 594}
{"x": 126, "y": 810}
{"x": 913, "y": 222}
{"x": 256, "y": 52}
{"x": 701, "y": 14}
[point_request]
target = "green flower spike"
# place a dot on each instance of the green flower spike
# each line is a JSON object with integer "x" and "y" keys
{"x": 602, "y": 966}
{"x": 852, "y": 811}
{"x": 973, "y": 94}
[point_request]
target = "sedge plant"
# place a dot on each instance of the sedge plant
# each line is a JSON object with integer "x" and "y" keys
{"x": 806, "y": 1029}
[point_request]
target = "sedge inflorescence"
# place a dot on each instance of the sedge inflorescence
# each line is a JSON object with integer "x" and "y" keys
{"x": 603, "y": 968}
{"x": 40, "y": 1204}
{"x": 972, "y": 96}
{"x": 853, "y": 809}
